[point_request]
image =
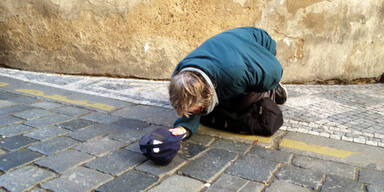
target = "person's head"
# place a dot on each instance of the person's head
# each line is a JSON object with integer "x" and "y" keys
{"x": 189, "y": 93}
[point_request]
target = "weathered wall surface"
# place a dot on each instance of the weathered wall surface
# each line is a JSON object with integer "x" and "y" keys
{"x": 317, "y": 39}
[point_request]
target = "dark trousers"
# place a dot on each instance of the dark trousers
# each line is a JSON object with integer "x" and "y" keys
{"x": 232, "y": 109}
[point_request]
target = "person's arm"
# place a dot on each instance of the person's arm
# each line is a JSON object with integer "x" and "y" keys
{"x": 189, "y": 124}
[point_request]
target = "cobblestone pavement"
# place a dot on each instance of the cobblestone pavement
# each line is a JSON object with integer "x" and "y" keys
{"x": 72, "y": 133}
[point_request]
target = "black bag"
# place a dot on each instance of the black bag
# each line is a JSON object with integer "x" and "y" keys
{"x": 261, "y": 118}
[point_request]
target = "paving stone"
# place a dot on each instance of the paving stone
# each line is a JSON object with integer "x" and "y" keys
{"x": 49, "y": 120}
{"x": 37, "y": 190}
{"x": 207, "y": 166}
{"x": 53, "y": 145}
{"x": 151, "y": 114}
{"x": 131, "y": 134}
{"x": 273, "y": 155}
{"x": 71, "y": 111}
{"x": 372, "y": 176}
{"x": 99, "y": 147}
{"x": 13, "y": 109}
{"x": 336, "y": 184}
{"x": 122, "y": 161}
{"x": 252, "y": 187}
{"x": 16, "y": 142}
{"x": 5, "y": 103}
{"x": 47, "y": 133}
{"x": 32, "y": 114}
{"x": 298, "y": 176}
{"x": 24, "y": 178}
{"x": 62, "y": 161}
{"x": 374, "y": 188}
{"x": 201, "y": 139}
{"x": 7, "y": 95}
{"x": 77, "y": 180}
{"x": 179, "y": 184}
{"x": 76, "y": 124}
{"x": 46, "y": 105}
{"x": 328, "y": 167}
{"x": 230, "y": 145}
{"x": 134, "y": 147}
{"x": 253, "y": 168}
{"x": 131, "y": 123}
{"x": 189, "y": 150}
{"x": 101, "y": 117}
{"x": 21, "y": 99}
{"x": 158, "y": 170}
{"x": 91, "y": 132}
{"x": 280, "y": 186}
{"x": 16, "y": 158}
{"x": 13, "y": 130}
{"x": 132, "y": 180}
{"x": 9, "y": 120}
{"x": 227, "y": 183}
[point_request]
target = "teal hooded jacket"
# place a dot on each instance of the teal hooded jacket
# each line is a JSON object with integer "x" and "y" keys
{"x": 237, "y": 61}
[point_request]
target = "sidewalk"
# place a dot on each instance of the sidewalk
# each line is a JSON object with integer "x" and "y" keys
{"x": 74, "y": 133}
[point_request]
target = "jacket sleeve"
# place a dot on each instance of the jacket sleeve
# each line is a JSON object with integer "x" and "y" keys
{"x": 191, "y": 123}
{"x": 263, "y": 38}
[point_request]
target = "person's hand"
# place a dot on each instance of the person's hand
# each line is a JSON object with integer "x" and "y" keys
{"x": 178, "y": 131}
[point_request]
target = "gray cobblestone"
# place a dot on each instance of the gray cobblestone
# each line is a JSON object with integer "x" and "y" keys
{"x": 21, "y": 99}
{"x": 37, "y": 190}
{"x": 16, "y": 142}
{"x": 178, "y": 183}
{"x": 359, "y": 139}
{"x": 99, "y": 147}
{"x": 77, "y": 180}
{"x": 32, "y": 114}
{"x": 46, "y": 105}
{"x": 272, "y": 155}
{"x": 252, "y": 187}
{"x": 323, "y": 166}
{"x": 101, "y": 117}
{"x": 13, "y": 109}
{"x": 380, "y": 136}
{"x": 47, "y": 133}
{"x": 90, "y": 132}
{"x": 201, "y": 139}
{"x": 76, "y": 124}
{"x": 150, "y": 167}
{"x": 299, "y": 176}
{"x": 54, "y": 145}
{"x": 5, "y": 103}
{"x": 336, "y": 184}
{"x": 189, "y": 150}
{"x": 134, "y": 147}
{"x": 70, "y": 111}
{"x": 208, "y": 165}
{"x": 13, "y": 130}
{"x": 16, "y": 158}
{"x": 230, "y": 146}
{"x": 123, "y": 160}
{"x": 9, "y": 120}
{"x": 129, "y": 130}
{"x": 62, "y": 161}
{"x": 372, "y": 176}
{"x": 132, "y": 180}
{"x": 227, "y": 183}
{"x": 374, "y": 188}
{"x": 24, "y": 178}
{"x": 151, "y": 114}
{"x": 253, "y": 168}
{"x": 49, "y": 120}
{"x": 279, "y": 185}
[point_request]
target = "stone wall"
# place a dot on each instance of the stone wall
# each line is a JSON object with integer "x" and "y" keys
{"x": 317, "y": 39}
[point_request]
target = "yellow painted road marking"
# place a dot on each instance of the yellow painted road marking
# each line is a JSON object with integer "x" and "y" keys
{"x": 228, "y": 135}
{"x": 2, "y": 84}
{"x": 65, "y": 99}
{"x": 288, "y": 143}
{"x": 315, "y": 148}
